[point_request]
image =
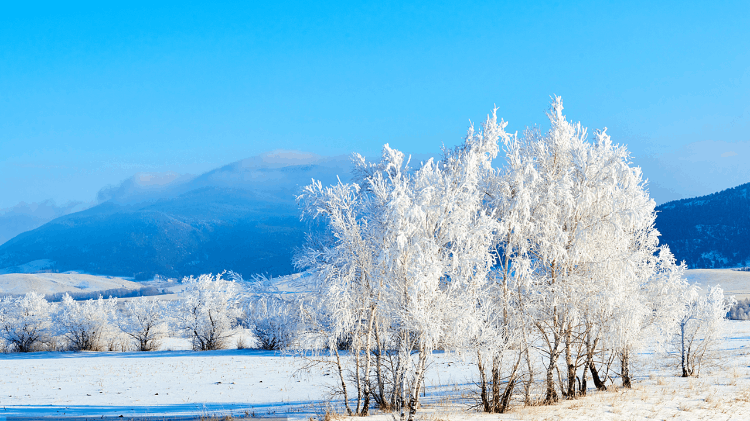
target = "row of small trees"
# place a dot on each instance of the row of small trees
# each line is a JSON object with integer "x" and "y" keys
{"x": 207, "y": 312}
{"x": 551, "y": 258}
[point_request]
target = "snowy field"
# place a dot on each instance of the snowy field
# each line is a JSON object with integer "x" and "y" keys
{"x": 733, "y": 282}
{"x": 267, "y": 384}
{"x": 50, "y": 283}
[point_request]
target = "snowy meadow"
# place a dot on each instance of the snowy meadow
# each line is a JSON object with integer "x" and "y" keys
{"x": 444, "y": 289}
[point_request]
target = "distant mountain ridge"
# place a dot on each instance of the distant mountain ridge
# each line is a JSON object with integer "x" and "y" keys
{"x": 241, "y": 217}
{"x": 710, "y": 231}
{"x": 27, "y": 216}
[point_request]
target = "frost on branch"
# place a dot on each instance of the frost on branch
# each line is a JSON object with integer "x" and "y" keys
{"x": 740, "y": 311}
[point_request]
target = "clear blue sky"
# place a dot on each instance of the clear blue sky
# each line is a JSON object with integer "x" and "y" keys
{"x": 92, "y": 93}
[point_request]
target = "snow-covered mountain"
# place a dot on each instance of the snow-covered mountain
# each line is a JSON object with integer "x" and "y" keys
{"x": 241, "y": 217}
{"x": 710, "y": 231}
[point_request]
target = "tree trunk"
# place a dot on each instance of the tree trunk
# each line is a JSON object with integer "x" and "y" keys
{"x": 569, "y": 363}
{"x": 368, "y": 346}
{"x": 626, "y": 368}
{"x": 530, "y": 381}
{"x": 551, "y": 394}
{"x": 590, "y": 348}
{"x": 343, "y": 382}
{"x": 379, "y": 370}
{"x": 508, "y": 393}
{"x": 583, "y": 386}
{"x": 682, "y": 350}
{"x": 495, "y": 383}
{"x": 414, "y": 398}
{"x": 402, "y": 366}
{"x": 483, "y": 384}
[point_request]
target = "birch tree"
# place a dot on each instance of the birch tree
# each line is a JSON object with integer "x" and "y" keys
{"x": 700, "y": 326}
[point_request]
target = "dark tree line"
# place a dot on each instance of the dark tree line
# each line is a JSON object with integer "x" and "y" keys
{"x": 708, "y": 232}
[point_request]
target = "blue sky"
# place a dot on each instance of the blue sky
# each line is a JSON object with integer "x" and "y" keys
{"x": 91, "y": 93}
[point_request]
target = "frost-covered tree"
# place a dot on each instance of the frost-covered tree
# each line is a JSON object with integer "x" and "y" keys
{"x": 208, "y": 309}
{"x": 407, "y": 249}
{"x": 700, "y": 326}
{"x": 343, "y": 275}
{"x": 578, "y": 243}
{"x": 554, "y": 254}
{"x": 273, "y": 319}
{"x": 740, "y": 311}
{"x": 85, "y": 324}
{"x": 144, "y": 320}
{"x": 25, "y": 321}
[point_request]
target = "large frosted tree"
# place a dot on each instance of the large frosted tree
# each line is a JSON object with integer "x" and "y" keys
{"x": 555, "y": 252}
{"x": 408, "y": 248}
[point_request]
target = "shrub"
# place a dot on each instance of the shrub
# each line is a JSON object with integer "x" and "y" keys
{"x": 144, "y": 321}
{"x": 85, "y": 324}
{"x": 208, "y": 311}
{"x": 25, "y": 321}
{"x": 740, "y": 310}
{"x": 273, "y": 321}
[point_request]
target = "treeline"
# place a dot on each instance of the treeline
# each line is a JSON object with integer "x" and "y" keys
{"x": 709, "y": 231}
{"x": 208, "y": 311}
{"x": 114, "y": 293}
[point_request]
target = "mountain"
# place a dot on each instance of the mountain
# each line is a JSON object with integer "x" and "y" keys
{"x": 241, "y": 217}
{"x": 27, "y": 216}
{"x": 710, "y": 231}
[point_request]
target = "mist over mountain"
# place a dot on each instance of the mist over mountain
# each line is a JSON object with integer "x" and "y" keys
{"x": 710, "y": 231}
{"x": 27, "y": 216}
{"x": 241, "y": 217}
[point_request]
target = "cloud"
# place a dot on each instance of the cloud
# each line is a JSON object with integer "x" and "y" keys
{"x": 142, "y": 186}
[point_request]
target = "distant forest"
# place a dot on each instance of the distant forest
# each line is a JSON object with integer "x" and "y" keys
{"x": 708, "y": 232}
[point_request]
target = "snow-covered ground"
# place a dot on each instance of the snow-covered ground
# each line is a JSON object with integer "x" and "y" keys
{"x": 50, "y": 283}
{"x": 733, "y": 282}
{"x": 268, "y": 384}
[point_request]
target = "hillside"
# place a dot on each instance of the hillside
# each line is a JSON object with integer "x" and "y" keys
{"x": 710, "y": 231}
{"x": 52, "y": 283}
{"x": 241, "y": 217}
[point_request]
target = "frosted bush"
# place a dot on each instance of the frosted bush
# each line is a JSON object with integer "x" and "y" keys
{"x": 700, "y": 327}
{"x": 25, "y": 322}
{"x": 274, "y": 322}
{"x": 144, "y": 321}
{"x": 740, "y": 311}
{"x": 87, "y": 325}
{"x": 208, "y": 311}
